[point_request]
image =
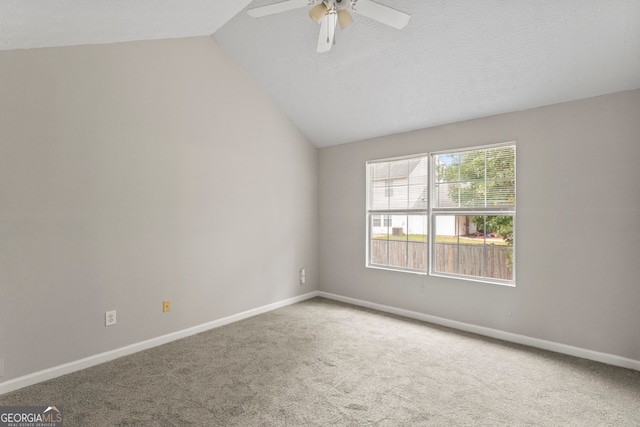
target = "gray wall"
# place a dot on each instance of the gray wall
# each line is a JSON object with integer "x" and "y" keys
{"x": 137, "y": 172}
{"x": 578, "y": 226}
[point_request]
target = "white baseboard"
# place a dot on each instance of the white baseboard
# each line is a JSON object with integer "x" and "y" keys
{"x": 610, "y": 359}
{"x": 87, "y": 362}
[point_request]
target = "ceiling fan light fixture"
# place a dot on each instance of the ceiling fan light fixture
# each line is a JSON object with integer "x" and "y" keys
{"x": 344, "y": 18}
{"x": 318, "y": 12}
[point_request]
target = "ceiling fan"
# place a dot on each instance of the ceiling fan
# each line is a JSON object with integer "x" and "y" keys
{"x": 328, "y": 13}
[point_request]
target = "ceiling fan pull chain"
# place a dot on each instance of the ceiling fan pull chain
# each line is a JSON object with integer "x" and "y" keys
{"x": 328, "y": 30}
{"x": 334, "y": 21}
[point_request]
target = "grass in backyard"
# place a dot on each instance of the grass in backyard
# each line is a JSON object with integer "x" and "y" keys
{"x": 422, "y": 238}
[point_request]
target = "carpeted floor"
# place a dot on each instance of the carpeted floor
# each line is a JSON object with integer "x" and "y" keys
{"x": 324, "y": 363}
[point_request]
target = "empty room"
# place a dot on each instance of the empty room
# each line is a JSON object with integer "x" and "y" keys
{"x": 307, "y": 212}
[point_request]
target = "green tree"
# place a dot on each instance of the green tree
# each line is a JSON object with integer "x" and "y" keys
{"x": 479, "y": 178}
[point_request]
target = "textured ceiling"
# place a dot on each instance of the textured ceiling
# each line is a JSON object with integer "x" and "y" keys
{"x": 46, "y": 23}
{"x": 456, "y": 60}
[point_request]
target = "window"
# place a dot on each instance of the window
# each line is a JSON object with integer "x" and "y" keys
{"x": 397, "y": 193}
{"x": 377, "y": 221}
{"x": 471, "y": 213}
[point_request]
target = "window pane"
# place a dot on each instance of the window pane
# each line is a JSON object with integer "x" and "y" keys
{"x": 446, "y": 246}
{"x": 379, "y": 194}
{"x": 501, "y": 178}
{"x": 418, "y": 183}
{"x": 399, "y": 184}
{"x": 401, "y": 242}
{"x": 398, "y": 193}
{"x": 478, "y": 246}
{"x": 499, "y": 255}
{"x": 472, "y": 167}
{"x": 417, "y": 255}
{"x": 447, "y": 167}
{"x": 379, "y": 242}
{"x": 475, "y": 178}
{"x": 398, "y": 238}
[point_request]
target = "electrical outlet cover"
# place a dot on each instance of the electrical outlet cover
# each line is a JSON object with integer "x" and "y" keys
{"x": 110, "y": 318}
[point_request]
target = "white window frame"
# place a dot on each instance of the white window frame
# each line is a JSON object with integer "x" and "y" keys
{"x": 478, "y": 211}
{"x": 432, "y": 212}
{"x": 386, "y": 214}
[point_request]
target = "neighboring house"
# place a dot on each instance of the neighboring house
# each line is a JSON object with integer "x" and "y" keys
{"x": 400, "y": 184}
{"x": 391, "y": 184}
{"x": 446, "y": 226}
{"x": 403, "y": 225}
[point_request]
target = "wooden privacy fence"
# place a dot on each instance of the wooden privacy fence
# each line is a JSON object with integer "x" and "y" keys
{"x": 472, "y": 260}
{"x": 397, "y": 253}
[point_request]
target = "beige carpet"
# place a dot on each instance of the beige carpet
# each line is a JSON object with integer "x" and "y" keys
{"x": 323, "y": 363}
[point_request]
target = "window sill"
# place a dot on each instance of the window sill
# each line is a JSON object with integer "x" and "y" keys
{"x": 476, "y": 279}
{"x": 447, "y": 276}
{"x": 399, "y": 270}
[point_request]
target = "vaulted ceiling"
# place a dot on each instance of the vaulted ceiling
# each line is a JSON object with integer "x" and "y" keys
{"x": 456, "y": 60}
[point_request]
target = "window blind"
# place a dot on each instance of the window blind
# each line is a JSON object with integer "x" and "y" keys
{"x": 480, "y": 178}
{"x": 399, "y": 185}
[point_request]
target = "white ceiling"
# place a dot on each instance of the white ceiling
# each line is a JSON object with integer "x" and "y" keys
{"x": 456, "y": 60}
{"x": 46, "y": 23}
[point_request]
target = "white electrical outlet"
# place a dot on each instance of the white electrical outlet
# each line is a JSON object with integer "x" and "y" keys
{"x": 303, "y": 278}
{"x": 110, "y": 318}
{"x": 1, "y": 367}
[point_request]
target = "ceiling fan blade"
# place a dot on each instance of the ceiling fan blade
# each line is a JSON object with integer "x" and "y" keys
{"x": 381, "y": 13}
{"x": 283, "y": 6}
{"x": 327, "y": 34}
